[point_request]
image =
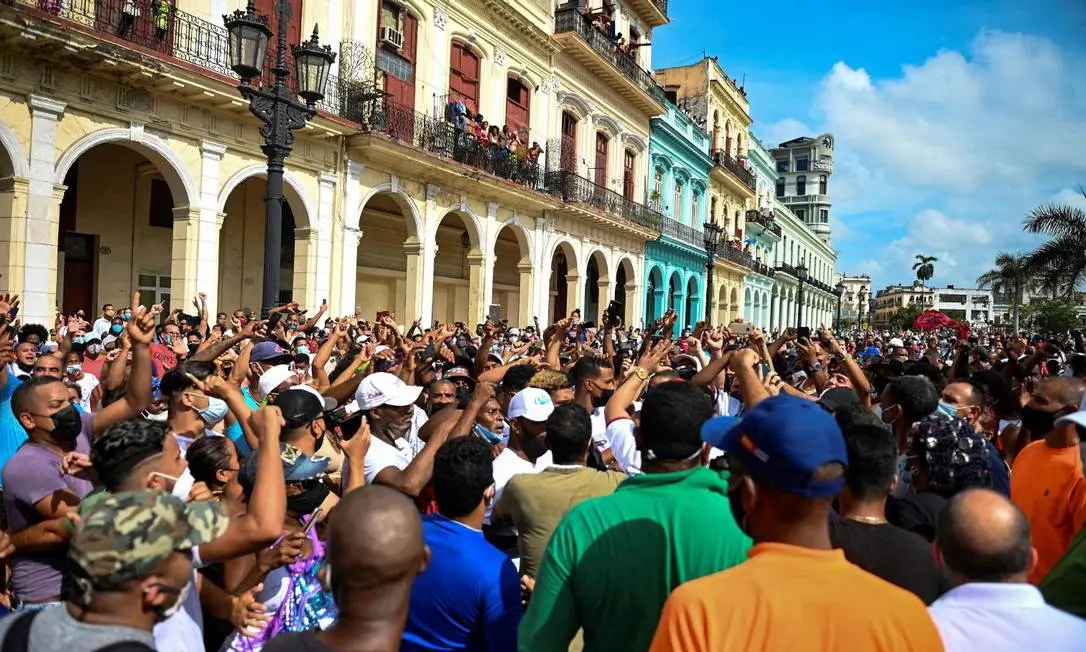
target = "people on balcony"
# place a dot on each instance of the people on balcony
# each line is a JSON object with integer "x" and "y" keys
{"x": 500, "y": 150}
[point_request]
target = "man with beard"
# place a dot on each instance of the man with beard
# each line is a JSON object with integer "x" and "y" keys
{"x": 132, "y": 563}
{"x": 593, "y": 384}
{"x": 1047, "y": 481}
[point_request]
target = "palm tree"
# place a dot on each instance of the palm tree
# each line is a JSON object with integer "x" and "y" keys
{"x": 1059, "y": 263}
{"x": 1012, "y": 276}
{"x": 924, "y": 268}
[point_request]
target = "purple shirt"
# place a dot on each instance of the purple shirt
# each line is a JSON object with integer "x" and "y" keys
{"x": 30, "y": 475}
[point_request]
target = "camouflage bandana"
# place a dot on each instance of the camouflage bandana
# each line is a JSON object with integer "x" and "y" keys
{"x": 125, "y": 536}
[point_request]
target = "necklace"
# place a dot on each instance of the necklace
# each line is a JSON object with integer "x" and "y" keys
{"x": 874, "y": 520}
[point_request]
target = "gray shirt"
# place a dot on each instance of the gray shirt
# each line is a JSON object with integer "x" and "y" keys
{"x": 54, "y": 630}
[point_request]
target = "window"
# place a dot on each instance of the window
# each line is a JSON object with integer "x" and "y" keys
{"x": 802, "y": 164}
{"x": 678, "y": 202}
{"x": 153, "y": 289}
{"x": 569, "y": 142}
{"x": 800, "y": 213}
{"x": 694, "y": 197}
{"x": 823, "y": 215}
{"x": 822, "y": 183}
{"x": 780, "y": 187}
{"x": 782, "y": 166}
{"x": 464, "y": 76}
{"x": 801, "y": 185}
{"x": 161, "y": 208}
{"x": 518, "y": 105}
{"x": 601, "y": 159}
{"x": 657, "y": 189}
{"x": 628, "y": 175}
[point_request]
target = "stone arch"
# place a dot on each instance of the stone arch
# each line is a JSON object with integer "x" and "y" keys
{"x": 575, "y": 104}
{"x": 608, "y": 125}
{"x": 566, "y": 246}
{"x": 603, "y": 262}
{"x": 169, "y": 164}
{"x": 662, "y": 161}
{"x": 301, "y": 204}
{"x": 403, "y": 200}
{"x": 634, "y": 142}
{"x": 471, "y": 225}
{"x": 522, "y": 235}
{"x": 13, "y": 162}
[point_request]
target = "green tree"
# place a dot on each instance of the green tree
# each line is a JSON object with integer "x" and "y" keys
{"x": 924, "y": 268}
{"x": 1011, "y": 276}
{"x": 1054, "y": 315}
{"x": 956, "y": 315}
{"x": 1060, "y": 263}
{"x": 904, "y": 317}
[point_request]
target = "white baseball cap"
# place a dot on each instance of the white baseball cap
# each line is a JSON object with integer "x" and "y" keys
{"x": 271, "y": 379}
{"x": 531, "y": 403}
{"x": 385, "y": 389}
{"x": 896, "y": 342}
{"x": 1077, "y": 417}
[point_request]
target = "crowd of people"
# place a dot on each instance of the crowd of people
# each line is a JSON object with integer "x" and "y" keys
{"x": 179, "y": 482}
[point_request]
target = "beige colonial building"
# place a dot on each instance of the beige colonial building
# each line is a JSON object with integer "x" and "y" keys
{"x": 131, "y": 162}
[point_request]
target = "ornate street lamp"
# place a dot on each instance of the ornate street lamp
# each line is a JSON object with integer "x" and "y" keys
{"x": 801, "y": 275}
{"x": 278, "y": 109}
{"x": 713, "y": 235}
{"x": 840, "y": 294}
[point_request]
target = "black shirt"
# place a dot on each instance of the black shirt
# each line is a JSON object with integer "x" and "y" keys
{"x": 887, "y": 551}
{"x": 916, "y": 513}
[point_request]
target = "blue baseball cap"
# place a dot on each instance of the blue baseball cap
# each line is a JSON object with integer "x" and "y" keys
{"x": 782, "y": 441}
{"x": 268, "y": 351}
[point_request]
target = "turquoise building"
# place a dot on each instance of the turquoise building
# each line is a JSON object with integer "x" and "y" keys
{"x": 678, "y": 187}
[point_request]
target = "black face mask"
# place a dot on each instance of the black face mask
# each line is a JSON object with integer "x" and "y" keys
{"x": 601, "y": 400}
{"x": 66, "y": 425}
{"x": 879, "y": 383}
{"x": 735, "y": 499}
{"x": 1038, "y": 422}
{"x": 308, "y": 501}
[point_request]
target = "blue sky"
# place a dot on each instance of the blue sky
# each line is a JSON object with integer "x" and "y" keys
{"x": 952, "y": 119}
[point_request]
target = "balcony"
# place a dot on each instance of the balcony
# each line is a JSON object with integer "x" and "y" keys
{"x": 731, "y": 254}
{"x": 787, "y": 269}
{"x": 759, "y": 267}
{"x": 683, "y": 233}
{"x": 805, "y": 199}
{"x": 511, "y": 170}
{"x": 575, "y": 190}
{"x": 594, "y": 50}
{"x": 757, "y": 223}
{"x": 735, "y": 172}
{"x": 653, "y": 11}
{"x": 158, "y": 29}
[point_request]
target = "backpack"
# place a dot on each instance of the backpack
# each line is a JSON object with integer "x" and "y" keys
{"x": 18, "y": 638}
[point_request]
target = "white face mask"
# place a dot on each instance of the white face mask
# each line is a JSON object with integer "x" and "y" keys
{"x": 182, "y": 486}
{"x": 160, "y": 417}
{"x": 176, "y": 606}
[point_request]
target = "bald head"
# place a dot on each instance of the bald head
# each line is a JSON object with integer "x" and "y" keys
{"x": 375, "y": 540}
{"x": 1066, "y": 391}
{"x": 984, "y": 537}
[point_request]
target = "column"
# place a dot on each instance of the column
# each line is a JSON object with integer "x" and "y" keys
{"x": 477, "y": 303}
{"x": 185, "y": 257}
{"x": 772, "y": 312}
{"x": 419, "y": 274}
{"x": 304, "y": 281}
{"x": 574, "y": 293}
{"x": 326, "y": 214}
{"x": 605, "y": 296}
{"x": 41, "y": 253}
{"x": 635, "y": 304}
{"x": 489, "y": 237}
{"x": 14, "y": 194}
{"x": 350, "y": 238}
{"x": 526, "y": 271}
{"x": 210, "y": 223}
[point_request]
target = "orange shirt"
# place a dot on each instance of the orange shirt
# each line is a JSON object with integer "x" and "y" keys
{"x": 789, "y": 598}
{"x": 1047, "y": 484}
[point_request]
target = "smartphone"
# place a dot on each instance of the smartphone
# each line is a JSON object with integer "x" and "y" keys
{"x": 273, "y": 320}
{"x": 612, "y": 317}
{"x": 741, "y": 328}
{"x": 803, "y": 331}
{"x": 312, "y": 523}
{"x": 382, "y": 313}
{"x": 495, "y": 313}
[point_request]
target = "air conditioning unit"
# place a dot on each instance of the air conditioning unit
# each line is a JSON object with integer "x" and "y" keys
{"x": 393, "y": 37}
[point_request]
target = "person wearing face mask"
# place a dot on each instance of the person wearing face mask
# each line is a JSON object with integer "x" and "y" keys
{"x": 905, "y": 401}
{"x": 94, "y": 359}
{"x": 1047, "y": 481}
{"x": 440, "y": 394}
{"x": 964, "y": 399}
{"x": 788, "y": 461}
{"x": 132, "y": 567}
{"x": 89, "y": 387}
{"x": 469, "y": 595}
{"x": 677, "y": 525}
{"x": 397, "y": 457}
{"x": 193, "y": 409}
{"x": 102, "y": 324}
{"x": 594, "y": 384}
{"x": 303, "y": 411}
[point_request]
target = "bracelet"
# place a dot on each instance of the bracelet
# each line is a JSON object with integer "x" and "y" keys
{"x": 361, "y": 369}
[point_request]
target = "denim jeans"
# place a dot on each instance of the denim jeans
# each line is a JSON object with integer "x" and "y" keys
{"x": 24, "y": 607}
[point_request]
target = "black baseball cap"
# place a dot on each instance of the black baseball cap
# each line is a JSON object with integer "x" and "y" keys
{"x": 302, "y": 404}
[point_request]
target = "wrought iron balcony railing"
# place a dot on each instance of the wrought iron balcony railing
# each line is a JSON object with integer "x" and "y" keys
{"x": 574, "y": 189}
{"x": 787, "y": 269}
{"x": 570, "y": 19}
{"x": 683, "y": 233}
{"x": 735, "y": 255}
{"x": 725, "y": 160}
{"x": 661, "y": 5}
{"x": 440, "y": 138}
{"x": 767, "y": 223}
{"x": 762, "y": 268}
{"x": 161, "y": 29}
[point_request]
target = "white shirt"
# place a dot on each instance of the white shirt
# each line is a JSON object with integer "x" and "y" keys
{"x": 87, "y": 384}
{"x": 599, "y": 430}
{"x": 996, "y": 617}
{"x": 101, "y": 326}
{"x": 727, "y": 405}
{"x": 623, "y": 445}
{"x": 505, "y": 466}
{"x": 382, "y": 455}
{"x": 184, "y": 631}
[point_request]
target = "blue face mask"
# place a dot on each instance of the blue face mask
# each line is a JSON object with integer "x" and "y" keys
{"x": 947, "y": 409}
{"x": 127, "y": 315}
{"x": 491, "y": 438}
{"x": 77, "y": 340}
{"x": 303, "y": 350}
{"x": 116, "y": 329}
{"x": 214, "y": 412}
{"x": 78, "y": 407}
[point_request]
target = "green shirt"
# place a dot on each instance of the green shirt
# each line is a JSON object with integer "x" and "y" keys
{"x": 612, "y": 561}
{"x": 1064, "y": 587}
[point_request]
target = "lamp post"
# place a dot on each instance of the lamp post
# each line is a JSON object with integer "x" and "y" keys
{"x": 840, "y": 294}
{"x": 278, "y": 109}
{"x": 801, "y": 275}
{"x": 713, "y": 233}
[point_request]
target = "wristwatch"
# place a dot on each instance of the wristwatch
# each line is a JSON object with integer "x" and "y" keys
{"x": 816, "y": 367}
{"x": 639, "y": 372}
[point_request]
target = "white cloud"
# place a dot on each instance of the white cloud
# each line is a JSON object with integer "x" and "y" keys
{"x": 1069, "y": 196}
{"x": 785, "y": 130}
{"x": 1007, "y": 111}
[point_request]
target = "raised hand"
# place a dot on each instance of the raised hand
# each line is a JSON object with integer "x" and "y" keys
{"x": 267, "y": 422}
{"x": 8, "y": 302}
{"x": 212, "y": 385}
{"x": 141, "y": 327}
{"x": 357, "y": 446}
